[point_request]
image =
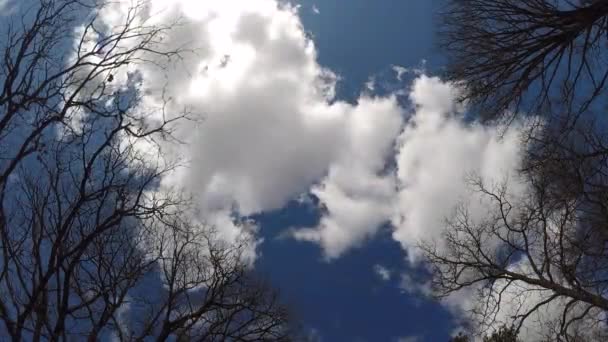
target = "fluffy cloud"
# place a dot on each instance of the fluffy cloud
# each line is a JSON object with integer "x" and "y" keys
{"x": 356, "y": 195}
{"x": 268, "y": 131}
{"x": 437, "y": 151}
{"x": 266, "y": 127}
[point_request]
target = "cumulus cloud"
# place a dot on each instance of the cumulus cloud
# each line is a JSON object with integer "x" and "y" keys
{"x": 269, "y": 131}
{"x": 437, "y": 151}
{"x": 267, "y": 127}
{"x": 356, "y": 195}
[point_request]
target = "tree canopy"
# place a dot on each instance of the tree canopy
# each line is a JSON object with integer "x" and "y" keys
{"x": 540, "y": 247}
{"x": 90, "y": 246}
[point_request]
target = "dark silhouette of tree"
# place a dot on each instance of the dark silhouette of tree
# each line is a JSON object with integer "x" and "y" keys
{"x": 543, "y": 250}
{"x": 460, "y": 338}
{"x": 504, "y": 334}
{"x": 541, "y": 253}
{"x": 90, "y": 247}
{"x": 537, "y": 53}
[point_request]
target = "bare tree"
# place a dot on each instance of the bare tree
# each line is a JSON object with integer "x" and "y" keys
{"x": 527, "y": 54}
{"x": 538, "y": 256}
{"x": 503, "y": 334}
{"x": 90, "y": 247}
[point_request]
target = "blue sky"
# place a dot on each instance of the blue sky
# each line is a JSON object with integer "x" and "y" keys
{"x": 345, "y": 300}
{"x": 362, "y": 38}
{"x": 323, "y": 136}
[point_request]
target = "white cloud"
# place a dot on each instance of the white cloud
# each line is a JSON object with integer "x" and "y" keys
{"x": 436, "y": 152}
{"x": 400, "y": 71}
{"x": 268, "y": 127}
{"x": 268, "y": 132}
{"x": 315, "y": 9}
{"x": 382, "y": 272}
{"x": 356, "y": 195}
{"x": 370, "y": 85}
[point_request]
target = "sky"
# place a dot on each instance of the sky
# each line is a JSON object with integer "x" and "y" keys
{"x": 325, "y": 135}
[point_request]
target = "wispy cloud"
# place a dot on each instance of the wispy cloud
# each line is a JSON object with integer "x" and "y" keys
{"x": 409, "y": 339}
{"x": 7, "y": 7}
{"x": 382, "y": 272}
